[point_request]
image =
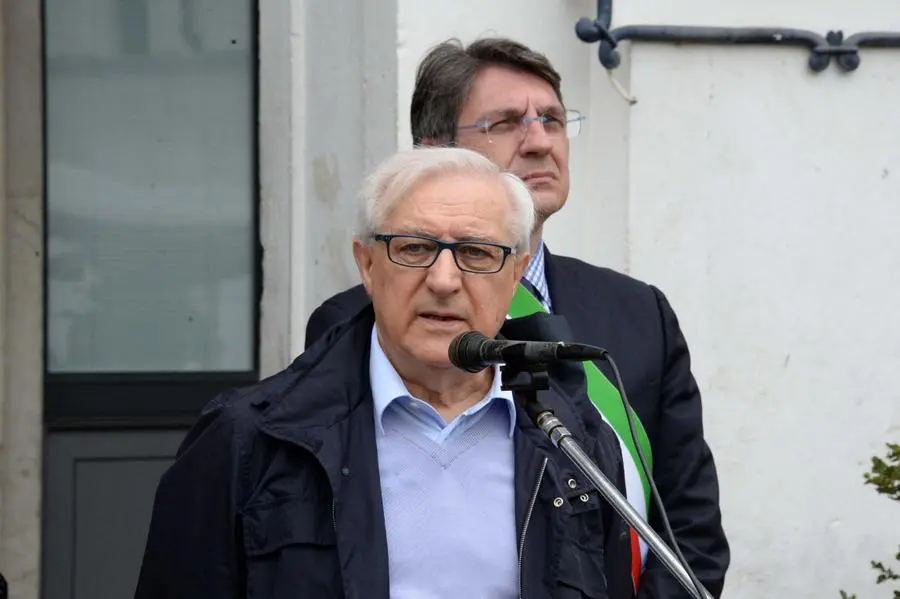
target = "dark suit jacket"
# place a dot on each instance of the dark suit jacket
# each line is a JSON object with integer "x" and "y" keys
{"x": 635, "y": 322}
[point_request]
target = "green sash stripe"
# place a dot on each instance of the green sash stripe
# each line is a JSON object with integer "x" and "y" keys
{"x": 602, "y": 393}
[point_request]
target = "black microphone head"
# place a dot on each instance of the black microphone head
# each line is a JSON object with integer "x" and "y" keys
{"x": 465, "y": 351}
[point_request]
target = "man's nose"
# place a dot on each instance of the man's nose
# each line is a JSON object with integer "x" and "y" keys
{"x": 444, "y": 275}
{"x": 536, "y": 140}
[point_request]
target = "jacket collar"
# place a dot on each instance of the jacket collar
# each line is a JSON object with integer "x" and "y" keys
{"x": 323, "y": 389}
{"x": 580, "y": 305}
{"x": 330, "y": 381}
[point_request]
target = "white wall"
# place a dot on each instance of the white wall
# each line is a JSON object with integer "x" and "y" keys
{"x": 342, "y": 121}
{"x": 775, "y": 238}
{"x": 763, "y": 199}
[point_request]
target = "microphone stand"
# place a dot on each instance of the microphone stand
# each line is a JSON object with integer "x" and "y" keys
{"x": 525, "y": 382}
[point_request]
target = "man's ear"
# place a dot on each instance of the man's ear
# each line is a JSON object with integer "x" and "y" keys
{"x": 363, "y": 256}
{"x": 521, "y": 263}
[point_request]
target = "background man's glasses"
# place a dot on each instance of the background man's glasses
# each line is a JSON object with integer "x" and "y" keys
{"x": 513, "y": 129}
{"x": 414, "y": 251}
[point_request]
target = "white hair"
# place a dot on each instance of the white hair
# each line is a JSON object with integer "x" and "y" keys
{"x": 395, "y": 177}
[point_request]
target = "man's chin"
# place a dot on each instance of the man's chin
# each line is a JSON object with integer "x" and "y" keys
{"x": 433, "y": 360}
{"x": 432, "y": 349}
{"x": 547, "y": 203}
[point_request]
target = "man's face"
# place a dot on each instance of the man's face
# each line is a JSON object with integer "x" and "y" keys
{"x": 419, "y": 311}
{"x": 541, "y": 160}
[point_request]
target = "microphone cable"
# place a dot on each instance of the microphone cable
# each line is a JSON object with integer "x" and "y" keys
{"x": 653, "y": 490}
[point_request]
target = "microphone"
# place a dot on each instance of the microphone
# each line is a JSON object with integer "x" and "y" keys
{"x": 473, "y": 352}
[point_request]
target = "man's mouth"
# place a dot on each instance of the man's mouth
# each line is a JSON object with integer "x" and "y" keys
{"x": 538, "y": 176}
{"x": 440, "y": 317}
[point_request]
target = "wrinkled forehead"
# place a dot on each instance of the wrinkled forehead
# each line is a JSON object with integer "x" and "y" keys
{"x": 455, "y": 207}
{"x": 502, "y": 91}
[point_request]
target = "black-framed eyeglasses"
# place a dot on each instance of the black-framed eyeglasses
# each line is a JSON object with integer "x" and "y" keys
{"x": 416, "y": 251}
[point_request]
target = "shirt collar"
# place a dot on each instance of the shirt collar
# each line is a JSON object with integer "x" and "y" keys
{"x": 387, "y": 386}
{"x": 536, "y": 273}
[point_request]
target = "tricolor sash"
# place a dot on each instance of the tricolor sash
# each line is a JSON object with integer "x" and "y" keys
{"x": 606, "y": 398}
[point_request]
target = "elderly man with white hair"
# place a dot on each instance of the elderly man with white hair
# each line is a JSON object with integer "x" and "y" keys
{"x": 372, "y": 467}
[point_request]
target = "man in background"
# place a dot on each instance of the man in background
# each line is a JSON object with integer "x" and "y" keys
{"x": 504, "y": 100}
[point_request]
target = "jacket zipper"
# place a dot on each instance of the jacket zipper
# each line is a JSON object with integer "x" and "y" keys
{"x": 534, "y": 496}
{"x": 334, "y": 514}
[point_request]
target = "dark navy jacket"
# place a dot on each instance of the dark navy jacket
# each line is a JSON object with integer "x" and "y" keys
{"x": 275, "y": 493}
{"x": 635, "y": 322}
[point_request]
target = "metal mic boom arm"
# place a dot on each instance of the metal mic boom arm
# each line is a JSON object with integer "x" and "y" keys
{"x": 525, "y": 382}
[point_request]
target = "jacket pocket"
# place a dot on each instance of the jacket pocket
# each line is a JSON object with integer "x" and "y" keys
{"x": 581, "y": 572}
{"x": 291, "y": 550}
